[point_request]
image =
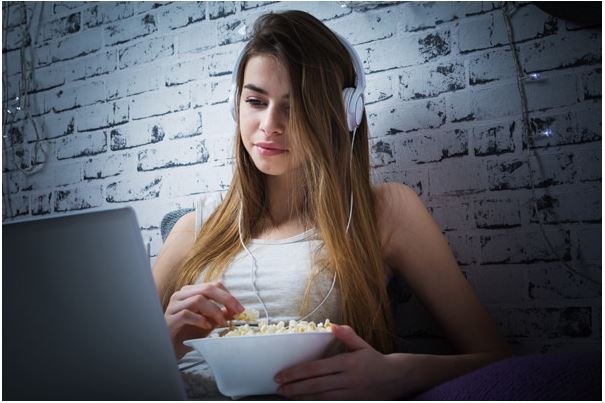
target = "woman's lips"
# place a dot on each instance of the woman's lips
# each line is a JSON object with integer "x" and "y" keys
{"x": 269, "y": 151}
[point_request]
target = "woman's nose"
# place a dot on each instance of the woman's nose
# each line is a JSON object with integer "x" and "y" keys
{"x": 273, "y": 120}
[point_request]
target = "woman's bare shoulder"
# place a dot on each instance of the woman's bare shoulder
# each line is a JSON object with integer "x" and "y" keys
{"x": 392, "y": 207}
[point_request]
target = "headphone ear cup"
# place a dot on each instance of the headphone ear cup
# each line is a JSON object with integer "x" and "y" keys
{"x": 347, "y": 95}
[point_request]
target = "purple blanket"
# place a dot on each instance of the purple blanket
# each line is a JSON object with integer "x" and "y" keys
{"x": 552, "y": 376}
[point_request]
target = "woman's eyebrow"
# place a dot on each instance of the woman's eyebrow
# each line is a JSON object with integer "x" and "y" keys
{"x": 260, "y": 90}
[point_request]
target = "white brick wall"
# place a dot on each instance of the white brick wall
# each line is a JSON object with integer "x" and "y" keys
{"x": 130, "y": 100}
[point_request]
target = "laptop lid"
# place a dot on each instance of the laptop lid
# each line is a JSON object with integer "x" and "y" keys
{"x": 81, "y": 315}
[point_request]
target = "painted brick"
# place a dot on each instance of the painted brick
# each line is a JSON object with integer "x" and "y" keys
{"x": 528, "y": 23}
{"x": 591, "y": 83}
{"x": 389, "y": 118}
{"x": 453, "y": 216}
{"x": 369, "y": 27}
{"x": 416, "y": 179}
{"x": 173, "y": 154}
{"x": 320, "y": 10}
{"x": 423, "y": 148}
{"x": 499, "y": 284}
{"x": 133, "y": 28}
{"x": 572, "y": 207}
{"x": 218, "y": 121}
{"x": 571, "y": 49}
{"x": 197, "y": 38}
{"x": 420, "y": 16}
{"x": 13, "y": 39}
{"x": 41, "y": 203}
{"x": 219, "y": 90}
{"x": 53, "y": 176}
{"x": 152, "y": 240}
{"x": 77, "y": 46}
{"x": 559, "y": 283}
{"x": 249, "y": 5}
{"x": 381, "y": 152}
{"x": 495, "y": 139}
{"x": 145, "y": 51}
{"x": 552, "y": 169}
{"x": 560, "y": 91}
{"x": 46, "y": 78}
{"x": 221, "y": 9}
{"x": 492, "y": 66}
{"x": 12, "y": 63}
{"x": 139, "y": 188}
{"x": 16, "y": 14}
{"x": 220, "y": 149}
{"x": 456, "y": 177}
{"x": 135, "y": 133}
{"x": 103, "y": 13}
{"x": 70, "y": 97}
{"x": 178, "y": 15}
{"x": 52, "y": 125}
{"x": 427, "y": 82}
{"x": 524, "y": 247}
{"x": 483, "y": 103}
{"x": 100, "y": 116}
{"x": 379, "y": 87}
{"x": 105, "y": 166}
{"x": 589, "y": 246}
{"x": 141, "y": 7}
{"x": 184, "y": 72}
{"x": 563, "y": 127}
{"x": 134, "y": 81}
{"x": 463, "y": 247}
{"x": 59, "y": 27}
{"x": 159, "y": 102}
{"x": 235, "y": 29}
{"x": 186, "y": 181}
{"x": 61, "y": 7}
{"x": 91, "y": 66}
{"x": 80, "y": 197}
{"x": 588, "y": 165}
{"x": 589, "y": 124}
{"x": 177, "y": 125}
{"x": 407, "y": 51}
{"x": 18, "y": 206}
{"x": 497, "y": 213}
{"x": 221, "y": 62}
{"x": 82, "y": 144}
{"x": 568, "y": 322}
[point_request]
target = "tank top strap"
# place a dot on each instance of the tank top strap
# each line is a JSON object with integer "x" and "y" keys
{"x": 204, "y": 206}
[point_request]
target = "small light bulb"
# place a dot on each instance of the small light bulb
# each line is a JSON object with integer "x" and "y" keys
{"x": 18, "y": 108}
{"x": 546, "y": 133}
{"x": 9, "y": 111}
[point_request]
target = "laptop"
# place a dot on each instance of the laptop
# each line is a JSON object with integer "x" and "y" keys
{"x": 80, "y": 312}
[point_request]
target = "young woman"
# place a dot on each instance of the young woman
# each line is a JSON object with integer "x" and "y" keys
{"x": 302, "y": 220}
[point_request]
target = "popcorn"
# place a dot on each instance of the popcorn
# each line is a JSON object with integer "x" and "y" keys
{"x": 249, "y": 315}
{"x": 266, "y": 328}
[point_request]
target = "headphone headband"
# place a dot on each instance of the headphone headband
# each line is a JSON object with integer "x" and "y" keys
{"x": 352, "y": 96}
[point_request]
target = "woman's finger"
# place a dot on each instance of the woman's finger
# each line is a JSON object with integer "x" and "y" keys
{"x": 199, "y": 304}
{"x": 186, "y": 317}
{"x": 214, "y": 291}
{"x": 326, "y": 366}
{"x": 314, "y": 386}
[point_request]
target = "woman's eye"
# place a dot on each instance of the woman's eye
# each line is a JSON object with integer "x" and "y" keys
{"x": 254, "y": 102}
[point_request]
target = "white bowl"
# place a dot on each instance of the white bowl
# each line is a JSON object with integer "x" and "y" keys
{"x": 246, "y": 365}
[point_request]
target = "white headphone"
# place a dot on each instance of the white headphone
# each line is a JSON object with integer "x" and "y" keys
{"x": 352, "y": 96}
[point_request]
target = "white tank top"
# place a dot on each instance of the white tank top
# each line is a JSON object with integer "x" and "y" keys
{"x": 283, "y": 269}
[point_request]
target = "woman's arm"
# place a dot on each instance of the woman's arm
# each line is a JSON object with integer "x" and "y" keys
{"x": 414, "y": 247}
{"x": 417, "y": 251}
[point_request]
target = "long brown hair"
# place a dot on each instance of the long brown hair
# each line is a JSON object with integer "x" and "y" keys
{"x": 319, "y": 67}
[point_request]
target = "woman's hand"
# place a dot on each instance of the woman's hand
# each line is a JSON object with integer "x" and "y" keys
{"x": 195, "y": 310}
{"x": 360, "y": 374}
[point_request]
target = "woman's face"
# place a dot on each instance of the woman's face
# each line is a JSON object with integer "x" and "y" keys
{"x": 263, "y": 117}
